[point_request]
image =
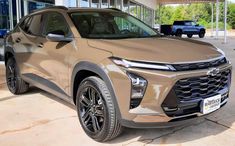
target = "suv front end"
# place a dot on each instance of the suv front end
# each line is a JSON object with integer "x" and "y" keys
{"x": 157, "y": 95}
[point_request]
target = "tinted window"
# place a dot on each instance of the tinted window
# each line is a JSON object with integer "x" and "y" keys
{"x": 35, "y": 25}
{"x": 56, "y": 24}
{"x": 25, "y": 24}
{"x": 110, "y": 25}
{"x": 188, "y": 23}
{"x": 178, "y": 23}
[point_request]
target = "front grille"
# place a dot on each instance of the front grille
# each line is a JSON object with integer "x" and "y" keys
{"x": 203, "y": 86}
{"x": 200, "y": 65}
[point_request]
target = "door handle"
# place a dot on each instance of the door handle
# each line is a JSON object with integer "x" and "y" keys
{"x": 40, "y": 45}
{"x": 18, "y": 40}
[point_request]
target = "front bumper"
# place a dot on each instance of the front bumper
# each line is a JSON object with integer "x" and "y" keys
{"x": 150, "y": 112}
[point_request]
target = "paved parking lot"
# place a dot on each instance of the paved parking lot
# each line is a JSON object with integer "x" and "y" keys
{"x": 41, "y": 119}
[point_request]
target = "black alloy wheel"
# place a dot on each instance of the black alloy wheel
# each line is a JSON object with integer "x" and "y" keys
{"x": 15, "y": 83}
{"x": 11, "y": 75}
{"x": 96, "y": 110}
{"x": 92, "y": 110}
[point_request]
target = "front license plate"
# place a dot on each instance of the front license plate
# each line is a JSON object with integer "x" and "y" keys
{"x": 211, "y": 104}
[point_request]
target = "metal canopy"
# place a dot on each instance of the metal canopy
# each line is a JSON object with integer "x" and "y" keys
{"x": 164, "y": 2}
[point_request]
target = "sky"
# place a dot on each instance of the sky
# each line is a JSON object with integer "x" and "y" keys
{"x": 232, "y": 1}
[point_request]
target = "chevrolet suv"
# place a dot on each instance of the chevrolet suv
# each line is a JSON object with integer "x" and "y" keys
{"x": 115, "y": 69}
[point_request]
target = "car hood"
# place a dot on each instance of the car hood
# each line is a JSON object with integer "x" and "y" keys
{"x": 161, "y": 50}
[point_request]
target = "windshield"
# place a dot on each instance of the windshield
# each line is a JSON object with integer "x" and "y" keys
{"x": 110, "y": 25}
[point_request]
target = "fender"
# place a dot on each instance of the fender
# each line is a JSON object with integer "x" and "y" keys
{"x": 88, "y": 66}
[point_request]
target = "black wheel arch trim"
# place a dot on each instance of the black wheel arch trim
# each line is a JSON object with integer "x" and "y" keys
{"x": 7, "y": 50}
{"x": 88, "y": 66}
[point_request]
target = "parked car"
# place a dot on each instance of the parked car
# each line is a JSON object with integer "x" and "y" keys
{"x": 116, "y": 74}
{"x": 188, "y": 28}
{"x": 3, "y": 32}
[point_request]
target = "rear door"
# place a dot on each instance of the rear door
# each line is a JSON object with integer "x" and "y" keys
{"x": 24, "y": 39}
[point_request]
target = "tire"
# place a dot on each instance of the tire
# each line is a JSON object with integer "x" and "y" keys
{"x": 189, "y": 35}
{"x": 100, "y": 110}
{"x": 179, "y": 33}
{"x": 201, "y": 34}
{"x": 15, "y": 83}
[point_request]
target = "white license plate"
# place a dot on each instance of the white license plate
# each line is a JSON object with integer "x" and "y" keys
{"x": 211, "y": 104}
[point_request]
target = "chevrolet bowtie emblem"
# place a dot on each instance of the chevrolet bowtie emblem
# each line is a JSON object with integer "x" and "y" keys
{"x": 213, "y": 72}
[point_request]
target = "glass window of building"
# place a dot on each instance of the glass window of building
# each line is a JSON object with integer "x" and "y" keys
{"x": 4, "y": 23}
{"x": 95, "y": 3}
{"x": 138, "y": 11}
{"x": 119, "y": 4}
{"x": 112, "y": 4}
{"x": 147, "y": 16}
{"x": 84, "y": 3}
{"x": 132, "y": 9}
{"x": 104, "y": 4}
{"x": 126, "y": 6}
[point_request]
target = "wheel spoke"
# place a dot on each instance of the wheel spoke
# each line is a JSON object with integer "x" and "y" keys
{"x": 84, "y": 101}
{"x": 86, "y": 121}
{"x": 86, "y": 114}
{"x": 95, "y": 123}
{"x": 91, "y": 94}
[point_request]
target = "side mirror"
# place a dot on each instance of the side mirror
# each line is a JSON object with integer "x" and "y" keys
{"x": 197, "y": 25}
{"x": 58, "y": 38}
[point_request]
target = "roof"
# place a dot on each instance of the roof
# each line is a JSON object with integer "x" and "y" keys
{"x": 73, "y": 9}
{"x": 164, "y": 2}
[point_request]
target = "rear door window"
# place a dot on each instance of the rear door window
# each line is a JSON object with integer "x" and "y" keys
{"x": 35, "y": 25}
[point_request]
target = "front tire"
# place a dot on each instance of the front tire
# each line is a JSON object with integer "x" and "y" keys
{"x": 96, "y": 110}
{"x": 15, "y": 83}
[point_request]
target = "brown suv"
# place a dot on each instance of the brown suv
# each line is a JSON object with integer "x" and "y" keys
{"x": 117, "y": 70}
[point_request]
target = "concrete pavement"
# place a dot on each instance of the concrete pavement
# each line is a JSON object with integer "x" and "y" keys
{"x": 41, "y": 119}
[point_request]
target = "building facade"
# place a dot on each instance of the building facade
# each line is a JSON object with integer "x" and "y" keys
{"x": 12, "y": 10}
{"x": 142, "y": 9}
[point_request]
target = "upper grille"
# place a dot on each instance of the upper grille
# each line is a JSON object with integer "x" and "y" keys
{"x": 198, "y": 87}
{"x": 200, "y": 65}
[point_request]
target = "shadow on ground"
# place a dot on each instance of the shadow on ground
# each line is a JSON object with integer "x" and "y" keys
{"x": 199, "y": 129}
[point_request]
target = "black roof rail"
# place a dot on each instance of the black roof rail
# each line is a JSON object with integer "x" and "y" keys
{"x": 51, "y": 7}
{"x": 115, "y": 9}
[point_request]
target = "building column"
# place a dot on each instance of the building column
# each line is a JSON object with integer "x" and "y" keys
{"x": 212, "y": 19}
{"x": 26, "y": 8}
{"x": 11, "y": 15}
{"x": 225, "y": 20}
{"x": 217, "y": 19}
{"x": 153, "y": 21}
{"x": 17, "y": 11}
{"x": 77, "y": 3}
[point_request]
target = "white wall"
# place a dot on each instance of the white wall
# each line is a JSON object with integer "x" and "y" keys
{"x": 59, "y": 2}
{"x": 149, "y": 3}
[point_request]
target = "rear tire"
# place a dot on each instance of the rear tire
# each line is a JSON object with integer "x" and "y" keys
{"x": 15, "y": 83}
{"x": 96, "y": 110}
{"x": 179, "y": 33}
{"x": 189, "y": 35}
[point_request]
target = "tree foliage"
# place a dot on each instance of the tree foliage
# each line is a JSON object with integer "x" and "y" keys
{"x": 199, "y": 12}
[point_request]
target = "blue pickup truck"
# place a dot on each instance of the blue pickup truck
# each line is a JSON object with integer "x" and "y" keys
{"x": 3, "y": 32}
{"x": 187, "y": 27}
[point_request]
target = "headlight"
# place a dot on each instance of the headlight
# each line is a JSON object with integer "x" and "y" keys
{"x": 138, "y": 87}
{"x": 137, "y": 64}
